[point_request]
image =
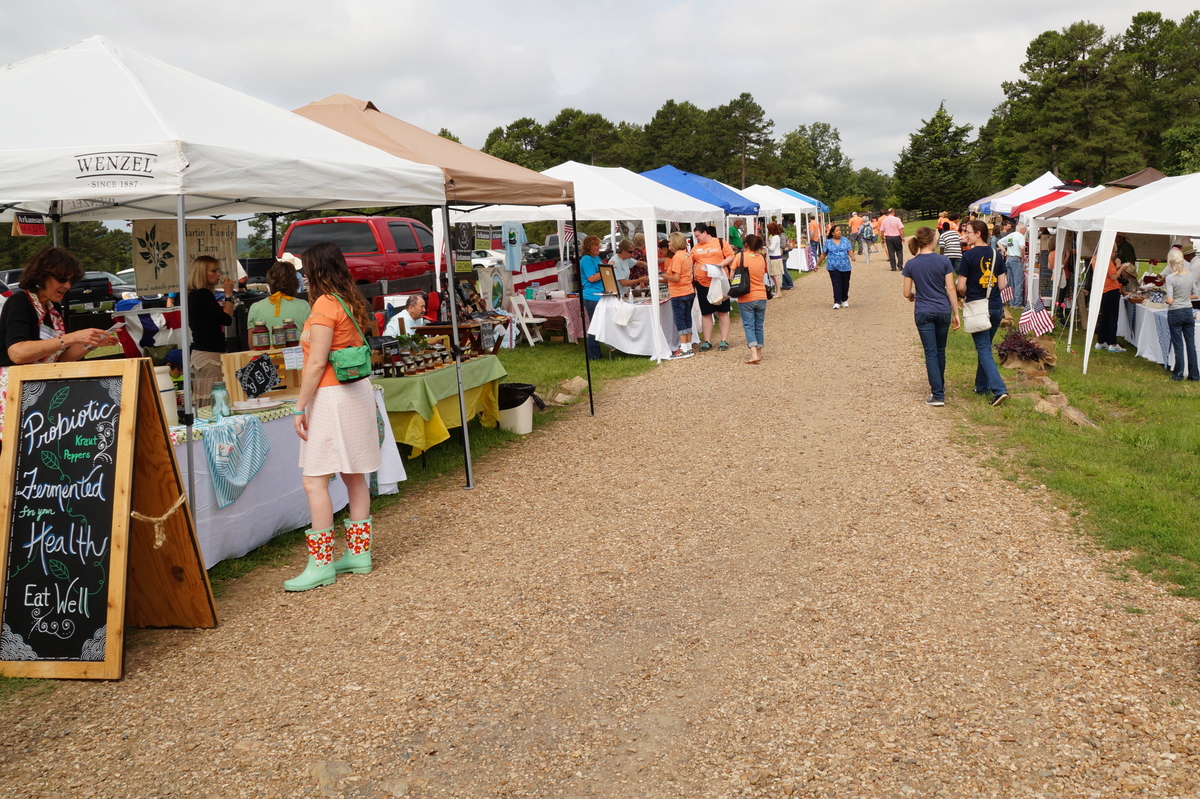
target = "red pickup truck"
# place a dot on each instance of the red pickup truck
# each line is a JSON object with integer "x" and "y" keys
{"x": 376, "y": 247}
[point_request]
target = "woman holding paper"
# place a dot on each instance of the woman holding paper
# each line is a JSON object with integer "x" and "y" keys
{"x": 32, "y": 319}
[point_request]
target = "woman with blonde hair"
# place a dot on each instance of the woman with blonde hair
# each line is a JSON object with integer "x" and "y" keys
{"x": 207, "y": 320}
{"x": 682, "y": 293}
{"x": 1180, "y": 319}
{"x": 335, "y": 421}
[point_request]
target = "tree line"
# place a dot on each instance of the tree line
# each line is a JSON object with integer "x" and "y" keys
{"x": 733, "y": 143}
{"x": 1090, "y": 106}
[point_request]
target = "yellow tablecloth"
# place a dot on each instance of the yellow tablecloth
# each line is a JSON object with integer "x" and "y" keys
{"x": 481, "y": 396}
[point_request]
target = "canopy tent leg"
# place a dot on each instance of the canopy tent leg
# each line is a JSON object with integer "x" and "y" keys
{"x": 186, "y": 331}
{"x": 1104, "y": 251}
{"x": 651, "y": 225}
{"x": 1075, "y": 284}
{"x": 462, "y": 405}
{"x": 582, "y": 308}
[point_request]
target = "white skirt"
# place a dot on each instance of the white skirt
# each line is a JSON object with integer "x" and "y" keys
{"x": 343, "y": 432}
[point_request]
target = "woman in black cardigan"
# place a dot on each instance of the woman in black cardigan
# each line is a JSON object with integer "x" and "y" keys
{"x": 207, "y": 319}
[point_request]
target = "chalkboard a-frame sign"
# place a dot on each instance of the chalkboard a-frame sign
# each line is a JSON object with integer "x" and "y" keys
{"x": 84, "y": 445}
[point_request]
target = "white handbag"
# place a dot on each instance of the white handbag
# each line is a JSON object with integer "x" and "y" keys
{"x": 977, "y": 315}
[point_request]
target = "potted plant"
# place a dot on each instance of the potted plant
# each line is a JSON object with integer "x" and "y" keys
{"x": 1018, "y": 351}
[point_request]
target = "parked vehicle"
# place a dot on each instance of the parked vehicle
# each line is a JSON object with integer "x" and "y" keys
{"x": 98, "y": 287}
{"x": 11, "y": 276}
{"x": 487, "y": 258}
{"x": 376, "y": 247}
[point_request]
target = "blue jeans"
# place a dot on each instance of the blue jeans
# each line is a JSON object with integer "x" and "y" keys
{"x": 752, "y": 314}
{"x": 987, "y": 373}
{"x": 1016, "y": 279}
{"x": 933, "y": 329}
{"x": 593, "y": 347}
{"x": 1183, "y": 339}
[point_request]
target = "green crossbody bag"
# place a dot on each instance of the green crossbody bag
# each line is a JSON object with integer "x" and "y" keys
{"x": 351, "y": 363}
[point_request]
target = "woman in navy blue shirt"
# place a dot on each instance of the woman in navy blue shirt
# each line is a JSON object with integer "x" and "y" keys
{"x": 982, "y": 274}
{"x": 929, "y": 285}
{"x": 839, "y": 252}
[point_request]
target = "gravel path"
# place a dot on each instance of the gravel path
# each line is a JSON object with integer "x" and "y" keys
{"x": 777, "y": 580}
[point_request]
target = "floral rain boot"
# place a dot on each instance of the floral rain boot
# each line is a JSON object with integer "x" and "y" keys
{"x": 319, "y": 570}
{"x": 357, "y": 559}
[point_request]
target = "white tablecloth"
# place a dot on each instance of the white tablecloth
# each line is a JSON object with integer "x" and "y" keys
{"x": 1146, "y": 334}
{"x": 637, "y": 336}
{"x": 274, "y": 501}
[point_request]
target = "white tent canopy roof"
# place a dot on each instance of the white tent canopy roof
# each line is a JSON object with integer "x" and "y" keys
{"x": 602, "y": 193}
{"x": 1034, "y": 217}
{"x": 114, "y": 134}
{"x": 1168, "y": 207}
{"x": 777, "y": 201}
{"x": 1030, "y": 191}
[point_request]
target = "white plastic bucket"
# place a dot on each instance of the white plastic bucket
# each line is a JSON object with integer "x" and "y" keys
{"x": 518, "y": 420}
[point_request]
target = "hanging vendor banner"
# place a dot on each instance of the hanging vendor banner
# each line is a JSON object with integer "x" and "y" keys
{"x": 464, "y": 243}
{"x": 28, "y": 225}
{"x": 155, "y": 247}
{"x": 483, "y": 237}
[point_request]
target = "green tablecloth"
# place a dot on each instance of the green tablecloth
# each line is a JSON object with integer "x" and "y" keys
{"x": 421, "y": 393}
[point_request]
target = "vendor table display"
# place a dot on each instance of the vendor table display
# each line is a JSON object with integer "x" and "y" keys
{"x": 1145, "y": 327}
{"x": 636, "y": 336}
{"x": 567, "y": 309}
{"x": 422, "y": 408}
{"x": 273, "y": 500}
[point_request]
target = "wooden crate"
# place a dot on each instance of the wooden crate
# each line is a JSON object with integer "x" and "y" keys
{"x": 232, "y": 361}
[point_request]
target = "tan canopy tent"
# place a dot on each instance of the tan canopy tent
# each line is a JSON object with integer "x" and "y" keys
{"x": 471, "y": 176}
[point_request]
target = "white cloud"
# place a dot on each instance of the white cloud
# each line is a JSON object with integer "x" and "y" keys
{"x": 873, "y": 70}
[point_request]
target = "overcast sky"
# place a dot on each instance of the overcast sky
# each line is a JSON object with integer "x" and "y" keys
{"x": 873, "y": 70}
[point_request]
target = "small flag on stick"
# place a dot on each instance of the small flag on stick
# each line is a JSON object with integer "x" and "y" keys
{"x": 1036, "y": 318}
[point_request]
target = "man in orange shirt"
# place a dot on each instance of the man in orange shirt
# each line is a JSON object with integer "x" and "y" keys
{"x": 856, "y": 222}
{"x": 814, "y": 231}
{"x": 709, "y": 251}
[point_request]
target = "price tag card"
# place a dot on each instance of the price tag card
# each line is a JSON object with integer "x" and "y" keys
{"x": 293, "y": 358}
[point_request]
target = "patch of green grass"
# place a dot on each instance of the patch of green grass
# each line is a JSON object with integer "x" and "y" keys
{"x": 1132, "y": 477}
{"x": 27, "y": 686}
{"x": 1132, "y": 609}
{"x": 544, "y": 366}
{"x": 911, "y": 227}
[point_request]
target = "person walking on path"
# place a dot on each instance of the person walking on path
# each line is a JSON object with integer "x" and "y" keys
{"x": 866, "y": 235}
{"x": 929, "y": 283}
{"x": 950, "y": 243}
{"x": 856, "y": 223}
{"x": 1180, "y": 318}
{"x": 708, "y": 253}
{"x": 335, "y": 421}
{"x": 593, "y": 288}
{"x": 876, "y": 231}
{"x": 893, "y": 233}
{"x": 982, "y": 275}
{"x": 752, "y": 306}
{"x": 838, "y": 255}
{"x": 1013, "y": 245}
{"x": 682, "y": 292}
{"x": 775, "y": 264}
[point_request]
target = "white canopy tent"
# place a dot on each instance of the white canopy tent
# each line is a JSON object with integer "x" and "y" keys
{"x": 1030, "y": 191}
{"x": 1169, "y": 207}
{"x": 108, "y": 133}
{"x": 605, "y": 194}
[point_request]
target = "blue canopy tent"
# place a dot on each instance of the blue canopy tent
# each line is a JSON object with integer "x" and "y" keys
{"x": 822, "y": 207}
{"x": 702, "y": 188}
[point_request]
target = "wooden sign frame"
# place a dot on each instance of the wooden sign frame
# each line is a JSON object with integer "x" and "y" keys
{"x": 156, "y": 569}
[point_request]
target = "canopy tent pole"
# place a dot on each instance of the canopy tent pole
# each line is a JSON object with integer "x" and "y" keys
{"x": 651, "y": 226}
{"x": 1033, "y": 246}
{"x": 189, "y": 412}
{"x": 1075, "y": 289}
{"x": 274, "y": 234}
{"x": 462, "y": 406}
{"x": 1099, "y": 273}
{"x": 582, "y": 308}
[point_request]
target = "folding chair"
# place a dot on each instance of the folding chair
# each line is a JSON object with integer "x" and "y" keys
{"x": 530, "y": 324}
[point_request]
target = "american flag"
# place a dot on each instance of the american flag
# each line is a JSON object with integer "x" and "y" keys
{"x": 1006, "y": 293}
{"x": 568, "y": 233}
{"x": 1036, "y": 318}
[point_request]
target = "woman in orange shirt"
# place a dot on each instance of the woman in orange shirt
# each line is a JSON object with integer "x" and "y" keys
{"x": 682, "y": 293}
{"x": 875, "y": 223}
{"x": 335, "y": 420}
{"x": 1110, "y": 306}
{"x": 752, "y": 306}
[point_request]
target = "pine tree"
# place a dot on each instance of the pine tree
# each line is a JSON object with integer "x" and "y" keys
{"x": 933, "y": 172}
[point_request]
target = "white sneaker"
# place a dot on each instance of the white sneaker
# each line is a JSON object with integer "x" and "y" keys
{"x": 1100, "y": 346}
{"x": 1116, "y": 348}
{"x": 837, "y": 305}
{"x": 846, "y": 304}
